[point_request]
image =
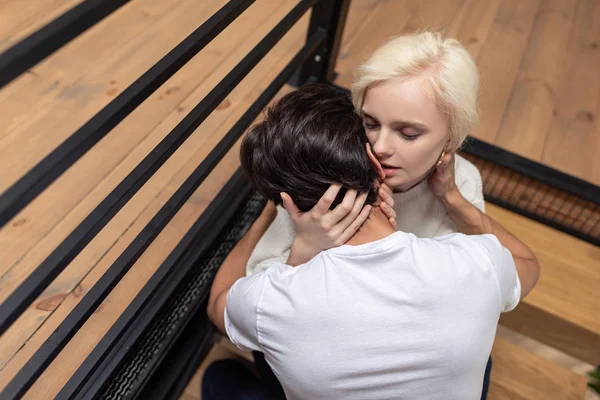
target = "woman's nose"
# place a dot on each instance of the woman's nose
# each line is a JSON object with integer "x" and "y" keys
{"x": 382, "y": 146}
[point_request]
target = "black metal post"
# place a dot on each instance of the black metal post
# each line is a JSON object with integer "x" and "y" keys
{"x": 328, "y": 16}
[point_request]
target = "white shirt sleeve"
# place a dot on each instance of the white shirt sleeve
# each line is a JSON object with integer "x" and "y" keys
{"x": 505, "y": 269}
{"x": 241, "y": 311}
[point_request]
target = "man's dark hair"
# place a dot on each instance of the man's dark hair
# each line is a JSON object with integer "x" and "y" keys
{"x": 309, "y": 139}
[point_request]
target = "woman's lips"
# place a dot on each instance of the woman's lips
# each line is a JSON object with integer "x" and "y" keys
{"x": 389, "y": 171}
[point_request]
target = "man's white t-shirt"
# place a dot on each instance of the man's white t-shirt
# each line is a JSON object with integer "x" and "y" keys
{"x": 398, "y": 318}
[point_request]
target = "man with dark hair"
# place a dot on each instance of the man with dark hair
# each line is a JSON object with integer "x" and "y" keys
{"x": 386, "y": 316}
{"x": 310, "y": 140}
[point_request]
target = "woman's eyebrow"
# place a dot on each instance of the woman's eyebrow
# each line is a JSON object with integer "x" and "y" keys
{"x": 367, "y": 115}
{"x": 417, "y": 125}
{"x": 399, "y": 122}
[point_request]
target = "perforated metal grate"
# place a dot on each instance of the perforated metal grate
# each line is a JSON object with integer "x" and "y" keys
{"x": 194, "y": 289}
{"x": 537, "y": 200}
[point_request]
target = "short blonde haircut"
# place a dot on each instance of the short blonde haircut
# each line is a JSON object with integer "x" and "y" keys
{"x": 444, "y": 63}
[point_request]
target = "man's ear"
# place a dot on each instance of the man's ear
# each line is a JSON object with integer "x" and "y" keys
{"x": 375, "y": 162}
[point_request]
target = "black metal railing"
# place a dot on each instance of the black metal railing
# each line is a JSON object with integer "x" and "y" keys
{"x": 313, "y": 62}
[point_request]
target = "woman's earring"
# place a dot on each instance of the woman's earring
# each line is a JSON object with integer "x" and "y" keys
{"x": 439, "y": 161}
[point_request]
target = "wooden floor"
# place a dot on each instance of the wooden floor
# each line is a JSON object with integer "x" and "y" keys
{"x": 542, "y": 54}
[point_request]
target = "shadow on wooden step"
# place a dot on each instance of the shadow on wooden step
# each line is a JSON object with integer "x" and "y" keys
{"x": 555, "y": 332}
{"x": 520, "y": 375}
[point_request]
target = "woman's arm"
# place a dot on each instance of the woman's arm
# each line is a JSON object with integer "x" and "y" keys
{"x": 468, "y": 182}
{"x": 470, "y": 220}
{"x": 234, "y": 266}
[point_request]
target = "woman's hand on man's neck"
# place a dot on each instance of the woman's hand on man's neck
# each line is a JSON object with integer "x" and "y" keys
{"x": 375, "y": 228}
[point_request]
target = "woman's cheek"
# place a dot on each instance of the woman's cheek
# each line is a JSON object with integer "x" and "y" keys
{"x": 371, "y": 137}
{"x": 417, "y": 159}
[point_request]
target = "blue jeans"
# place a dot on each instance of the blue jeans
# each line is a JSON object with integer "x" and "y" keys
{"x": 230, "y": 380}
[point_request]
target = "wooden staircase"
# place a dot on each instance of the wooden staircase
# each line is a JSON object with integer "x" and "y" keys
{"x": 561, "y": 312}
{"x": 518, "y": 374}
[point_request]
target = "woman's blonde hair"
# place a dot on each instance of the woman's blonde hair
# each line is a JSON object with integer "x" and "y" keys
{"x": 445, "y": 64}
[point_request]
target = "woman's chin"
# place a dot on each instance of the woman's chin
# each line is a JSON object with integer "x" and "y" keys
{"x": 398, "y": 184}
{"x": 395, "y": 183}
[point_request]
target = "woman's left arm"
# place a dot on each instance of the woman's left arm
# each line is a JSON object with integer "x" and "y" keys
{"x": 456, "y": 177}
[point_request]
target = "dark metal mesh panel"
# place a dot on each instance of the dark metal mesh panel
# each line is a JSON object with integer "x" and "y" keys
{"x": 193, "y": 290}
{"x": 537, "y": 200}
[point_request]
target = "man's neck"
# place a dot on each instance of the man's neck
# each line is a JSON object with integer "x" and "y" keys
{"x": 375, "y": 228}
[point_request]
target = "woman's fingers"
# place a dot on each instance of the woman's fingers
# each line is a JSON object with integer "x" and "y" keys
{"x": 387, "y": 198}
{"x": 325, "y": 202}
{"x": 445, "y": 168}
{"x": 353, "y": 227}
{"x": 344, "y": 208}
{"x": 393, "y": 223}
{"x": 387, "y": 210}
{"x": 358, "y": 205}
{"x": 376, "y": 163}
{"x": 289, "y": 205}
{"x": 386, "y": 188}
{"x": 447, "y": 158}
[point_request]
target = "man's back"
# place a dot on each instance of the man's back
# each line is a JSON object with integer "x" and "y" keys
{"x": 398, "y": 318}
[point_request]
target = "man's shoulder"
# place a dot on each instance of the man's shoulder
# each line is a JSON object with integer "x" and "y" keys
{"x": 486, "y": 242}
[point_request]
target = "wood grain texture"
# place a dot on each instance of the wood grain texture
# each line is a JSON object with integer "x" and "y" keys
{"x": 520, "y": 375}
{"x": 528, "y": 114}
{"x": 19, "y": 19}
{"x": 499, "y": 60}
{"x": 562, "y": 309}
{"x": 573, "y": 139}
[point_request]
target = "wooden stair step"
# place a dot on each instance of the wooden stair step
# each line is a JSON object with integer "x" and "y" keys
{"x": 518, "y": 374}
{"x": 562, "y": 310}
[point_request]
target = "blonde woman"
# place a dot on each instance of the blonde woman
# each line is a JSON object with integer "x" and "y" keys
{"x": 417, "y": 95}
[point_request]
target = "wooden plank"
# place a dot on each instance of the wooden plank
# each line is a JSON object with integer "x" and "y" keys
{"x": 573, "y": 143}
{"x": 529, "y": 112}
{"x": 520, "y": 375}
{"x": 389, "y": 19}
{"x": 499, "y": 60}
{"x": 19, "y": 19}
{"x": 473, "y": 24}
{"x": 68, "y": 108}
{"x": 49, "y": 210}
{"x": 31, "y": 96}
{"x": 84, "y": 341}
{"x": 358, "y": 17}
{"x": 564, "y": 301}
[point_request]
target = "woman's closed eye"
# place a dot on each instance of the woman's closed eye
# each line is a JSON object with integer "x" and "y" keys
{"x": 370, "y": 125}
{"x": 409, "y": 135}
